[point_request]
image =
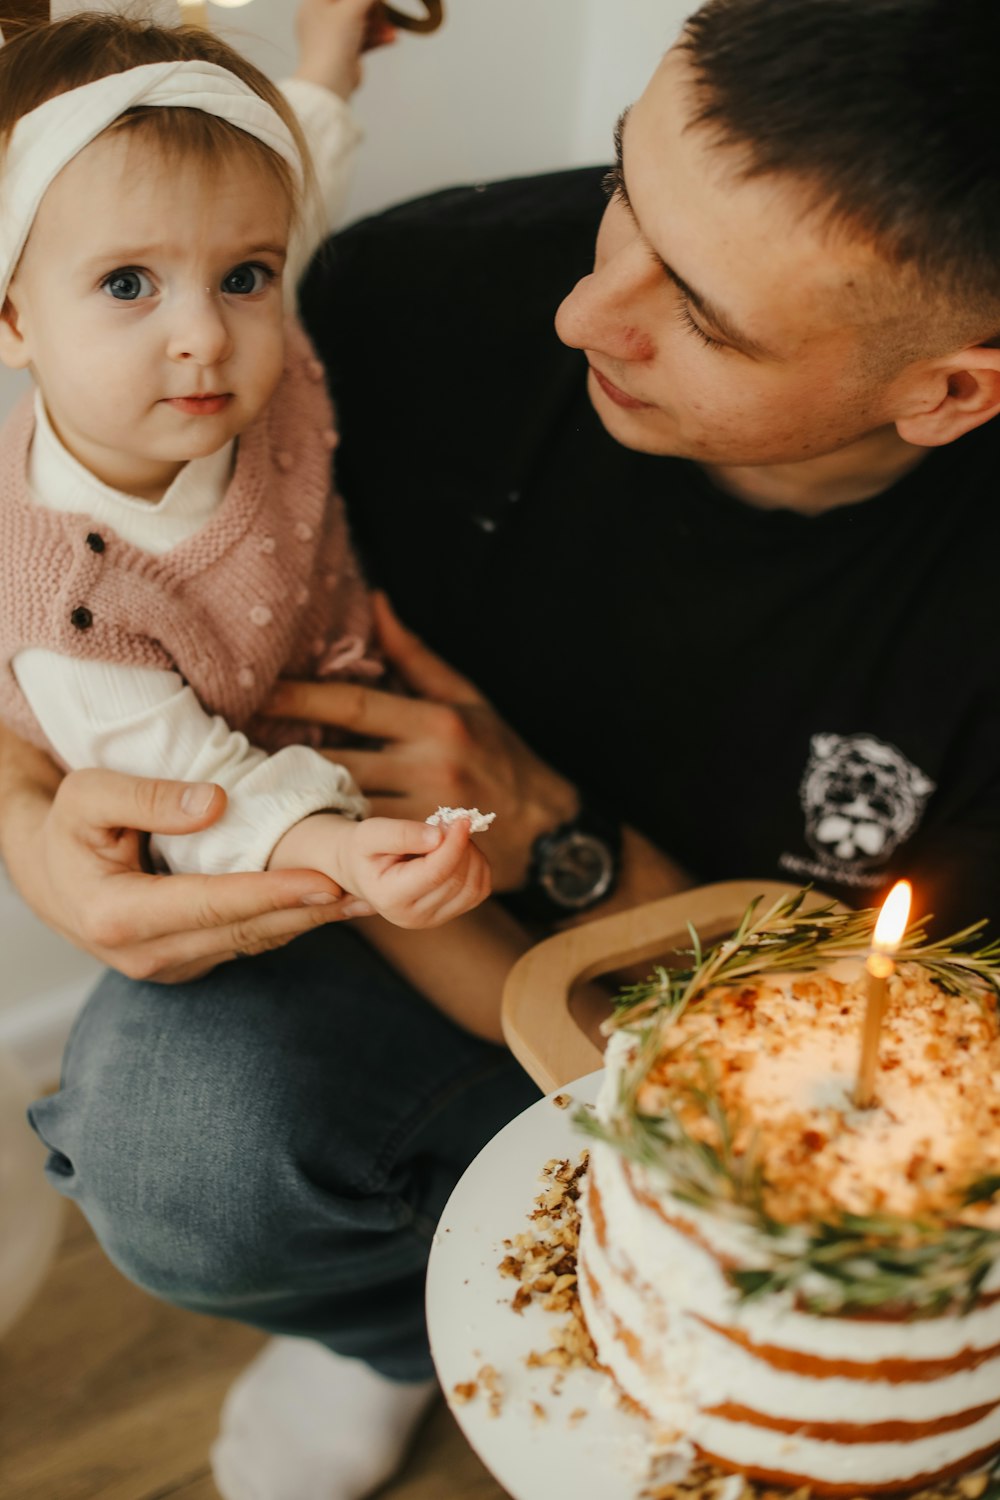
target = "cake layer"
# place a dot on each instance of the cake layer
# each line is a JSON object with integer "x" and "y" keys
{"x": 852, "y": 1432}
{"x": 696, "y": 1381}
{"x": 685, "y": 1359}
{"x": 842, "y": 1489}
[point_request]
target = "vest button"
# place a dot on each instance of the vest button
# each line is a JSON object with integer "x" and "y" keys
{"x": 81, "y": 618}
{"x": 95, "y": 541}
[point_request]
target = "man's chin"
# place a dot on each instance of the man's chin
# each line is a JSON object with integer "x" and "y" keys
{"x": 647, "y": 429}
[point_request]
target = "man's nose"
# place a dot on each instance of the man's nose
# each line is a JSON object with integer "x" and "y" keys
{"x": 610, "y": 311}
{"x": 198, "y": 332}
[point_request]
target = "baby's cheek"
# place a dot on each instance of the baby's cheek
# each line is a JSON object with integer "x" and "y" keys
{"x": 266, "y": 369}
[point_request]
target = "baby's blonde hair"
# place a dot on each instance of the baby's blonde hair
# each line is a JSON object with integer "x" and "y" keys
{"x": 41, "y": 61}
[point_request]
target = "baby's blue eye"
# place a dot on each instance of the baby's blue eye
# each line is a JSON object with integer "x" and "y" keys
{"x": 128, "y": 286}
{"x": 248, "y": 278}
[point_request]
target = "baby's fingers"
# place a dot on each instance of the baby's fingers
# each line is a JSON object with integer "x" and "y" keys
{"x": 450, "y": 895}
{"x": 465, "y": 894}
{"x": 397, "y": 838}
{"x": 440, "y": 871}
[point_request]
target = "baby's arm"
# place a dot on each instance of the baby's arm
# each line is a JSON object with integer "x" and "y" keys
{"x": 150, "y": 723}
{"x": 332, "y": 36}
{"x": 410, "y": 874}
{"x": 278, "y": 812}
{"x": 462, "y": 968}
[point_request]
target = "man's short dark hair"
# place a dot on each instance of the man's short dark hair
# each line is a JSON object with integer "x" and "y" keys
{"x": 889, "y": 110}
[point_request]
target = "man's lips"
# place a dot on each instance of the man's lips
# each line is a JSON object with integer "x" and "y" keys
{"x": 620, "y": 398}
{"x": 200, "y": 406}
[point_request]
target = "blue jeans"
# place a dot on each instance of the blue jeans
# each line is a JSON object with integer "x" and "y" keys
{"x": 275, "y": 1142}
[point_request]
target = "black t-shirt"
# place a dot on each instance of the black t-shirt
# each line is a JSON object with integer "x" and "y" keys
{"x": 763, "y": 694}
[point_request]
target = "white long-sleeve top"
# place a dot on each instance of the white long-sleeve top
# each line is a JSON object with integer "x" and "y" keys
{"x": 148, "y": 722}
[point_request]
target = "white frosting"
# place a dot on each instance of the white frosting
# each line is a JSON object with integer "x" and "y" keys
{"x": 684, "y": 1366}
{"x": 445, "y": 816}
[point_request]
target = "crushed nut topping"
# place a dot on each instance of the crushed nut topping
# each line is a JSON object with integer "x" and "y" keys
{"x": 543, "y": 1260}
{"x": 783, "y": 1057}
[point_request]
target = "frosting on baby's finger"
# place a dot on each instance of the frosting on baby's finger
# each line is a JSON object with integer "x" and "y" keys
{"x": 478, "y": 822}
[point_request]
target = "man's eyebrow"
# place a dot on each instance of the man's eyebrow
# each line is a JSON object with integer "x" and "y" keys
{"x": 615, "y": 186}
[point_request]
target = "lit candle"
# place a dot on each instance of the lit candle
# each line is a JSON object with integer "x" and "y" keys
{"x": 879, "y": 966}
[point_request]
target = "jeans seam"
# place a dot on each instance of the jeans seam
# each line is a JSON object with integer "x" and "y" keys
{"x": 420, "y": 1116}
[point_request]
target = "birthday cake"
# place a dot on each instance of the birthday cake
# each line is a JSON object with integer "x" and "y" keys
{"x": 793, "y": 1288}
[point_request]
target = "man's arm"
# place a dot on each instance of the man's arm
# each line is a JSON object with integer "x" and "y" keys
{"x": 72, "y": 851}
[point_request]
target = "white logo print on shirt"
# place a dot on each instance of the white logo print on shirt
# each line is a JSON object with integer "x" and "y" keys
{"x": 861, "y": 798}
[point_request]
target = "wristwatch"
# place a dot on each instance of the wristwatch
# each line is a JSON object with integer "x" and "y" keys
{"x": 572, "y": 868}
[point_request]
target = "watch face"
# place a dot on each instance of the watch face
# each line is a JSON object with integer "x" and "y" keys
{"x": 577, "y": 870}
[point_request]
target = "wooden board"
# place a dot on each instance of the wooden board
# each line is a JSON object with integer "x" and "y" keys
{"x": 539, "y": 1022}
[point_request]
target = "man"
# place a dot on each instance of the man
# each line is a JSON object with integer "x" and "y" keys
{"x": 728, "y": 573}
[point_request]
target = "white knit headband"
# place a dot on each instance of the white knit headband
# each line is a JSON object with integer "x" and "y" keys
{"x": 48, "y": 138}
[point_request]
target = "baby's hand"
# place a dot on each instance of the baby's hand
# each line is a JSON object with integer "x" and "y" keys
{"x": 386, "y": 863}
{"x": 332, "y": 35}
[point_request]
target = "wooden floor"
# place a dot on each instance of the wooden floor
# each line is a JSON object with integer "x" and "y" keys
{"x": 106, "y": 1394}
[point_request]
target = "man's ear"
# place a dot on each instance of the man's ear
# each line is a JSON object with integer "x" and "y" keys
{"x": 950, "y": 396}
{"x": 13, "y": 348}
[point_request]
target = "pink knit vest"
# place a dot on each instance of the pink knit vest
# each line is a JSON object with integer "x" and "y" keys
{"x": 269, "y": 587}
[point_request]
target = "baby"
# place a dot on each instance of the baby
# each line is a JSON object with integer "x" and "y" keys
{"x": 169, "y": 541}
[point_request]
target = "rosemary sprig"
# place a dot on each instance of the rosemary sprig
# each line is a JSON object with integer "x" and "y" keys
{"x": 972, "y": 973}
{"x": 785, "y": 938}
{"x": 857, "y": 1263}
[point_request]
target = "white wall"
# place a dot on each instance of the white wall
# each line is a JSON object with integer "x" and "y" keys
{"x": 506, "y": 87}
{"x": 624, "y": 41}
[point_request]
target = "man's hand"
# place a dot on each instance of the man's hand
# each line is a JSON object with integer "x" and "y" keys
{"x": 446, "y": 747}
{"x": 77, "y": 861}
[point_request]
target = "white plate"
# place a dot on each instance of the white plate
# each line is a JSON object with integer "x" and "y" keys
{"x": 603, "y": 1456}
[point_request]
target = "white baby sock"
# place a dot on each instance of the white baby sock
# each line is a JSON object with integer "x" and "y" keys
{"x": 302, "y": 1423}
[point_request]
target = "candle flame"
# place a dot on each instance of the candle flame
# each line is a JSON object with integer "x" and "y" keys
{"x": 893, "y": 917}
